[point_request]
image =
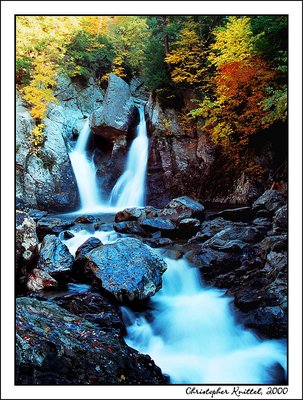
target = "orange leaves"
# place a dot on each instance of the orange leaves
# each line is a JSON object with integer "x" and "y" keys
{"x": 240, "y": 89}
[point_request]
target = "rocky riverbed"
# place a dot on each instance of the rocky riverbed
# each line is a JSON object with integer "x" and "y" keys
{"x": 75, "y": 336}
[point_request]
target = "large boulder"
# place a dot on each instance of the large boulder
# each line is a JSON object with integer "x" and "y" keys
{"x": 52, "y": 225}
{"x": 44, "y": 177}
{"x": 54, "y": 258}
{"x": 182, "y": 207}
{"x": 271, "y": 200}
{"x": 54, "y": 346}
{"x": 76, "y": 97}
{"x": 128, "y": 269}
{"x": 113, "y": 119}
{"x": 26, "y": 240}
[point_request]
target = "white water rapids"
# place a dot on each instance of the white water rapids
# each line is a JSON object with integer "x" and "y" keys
{"x": 192, "y": 335}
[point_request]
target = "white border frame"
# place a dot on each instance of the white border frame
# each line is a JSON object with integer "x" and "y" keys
{"x": 8, "y": 9}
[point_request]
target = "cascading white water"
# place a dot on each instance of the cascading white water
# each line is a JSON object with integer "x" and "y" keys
{"x": 129, "y": 190}
{"x": 85, "y": 172}
{"x": 193, "y": 337}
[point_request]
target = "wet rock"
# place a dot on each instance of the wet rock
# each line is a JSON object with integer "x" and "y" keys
{"x": 90, "y": 244}
{"x": 94, "y": 308}
{"x": 236, "y": 214}
{"x": 54, "y": 258}
{"x": 209, "y": 229}
{"x": 276, "y": 262}
{"x": 245, "y": 234}
{"x": 133, "y": 214}
{"x": 159, "y": 242}
{"x": 128, "y": 269}
{"x": 262, "y": 224}
{"x": 272, "y": 243}
{"x": 37, "y": 214}
{"x": 129, "y": 214}
{"x": 262, "y": 213}
{"x": 52, "y": 225}
{"x": 65, "y": 235}
{"x": 130, "y": 227}
{"x": 213, "y": 262}
{"x": 189, "y": 226}
{"x": 54, "y": 346}
{"x": 26, "y": 240}
{"x": 165, "y": 226}
{"x": 174, "y": 254}
{"x": 271, "y": 200}
{"x": 280, "y": 219}
{"x": 182, "y": 207}
{"x": 85, "y": 219}
{"x": 268, "y": 321}
{"x": 113, "y": 118}
{"x": 39, "y": 280}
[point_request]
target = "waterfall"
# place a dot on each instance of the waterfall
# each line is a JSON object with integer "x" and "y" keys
{"x": 129, "y": 190}
{"x": 85, "y": 172}
{"x": 192, "y": 335}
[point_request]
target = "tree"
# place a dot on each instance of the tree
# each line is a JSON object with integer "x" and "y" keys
{"x": 188, "y": 59}
{"x": 233, "y": 42}
{"x": 40, "y": 46}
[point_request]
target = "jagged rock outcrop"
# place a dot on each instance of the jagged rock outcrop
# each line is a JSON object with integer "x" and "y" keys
{"x": 44, "y": 177}
{"x": 112, "y": 120}
{"x": 55, "y": 346}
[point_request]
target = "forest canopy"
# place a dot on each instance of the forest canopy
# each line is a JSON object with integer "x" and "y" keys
{"x": 235, "y": 67}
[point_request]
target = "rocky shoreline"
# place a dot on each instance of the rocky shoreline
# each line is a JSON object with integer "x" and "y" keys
{"x": 77, "y": 338}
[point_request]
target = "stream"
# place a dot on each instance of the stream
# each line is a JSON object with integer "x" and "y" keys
{"x": 188, "y": 328}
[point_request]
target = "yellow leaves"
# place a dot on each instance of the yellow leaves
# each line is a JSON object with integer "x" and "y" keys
{"x": 188, "y": 59}
{"x": 38, "y": 135}
{"x": 39, "y": 95}
{"x": 234, "y": 42}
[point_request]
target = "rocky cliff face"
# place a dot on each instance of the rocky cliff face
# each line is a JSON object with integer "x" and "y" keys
{"x": 184, "y": 161}
{"x": 44, "y": 176}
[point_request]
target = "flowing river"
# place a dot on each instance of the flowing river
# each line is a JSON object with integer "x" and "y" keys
{"x": 188, "y": 329}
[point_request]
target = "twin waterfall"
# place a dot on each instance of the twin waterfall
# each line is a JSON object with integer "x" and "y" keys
{"x": 129, "y": 190}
